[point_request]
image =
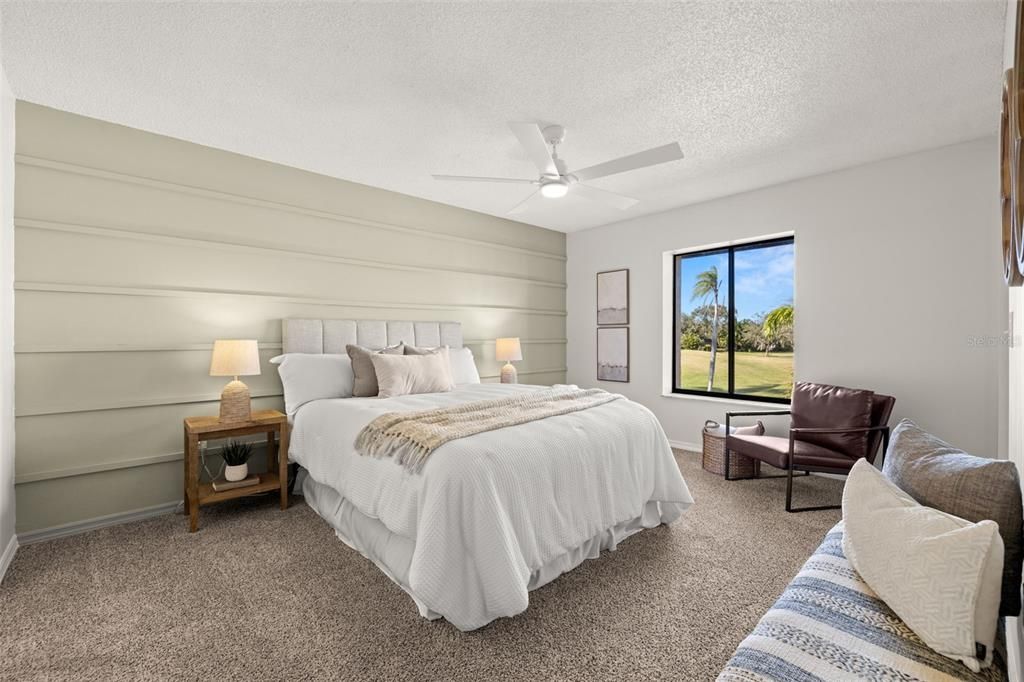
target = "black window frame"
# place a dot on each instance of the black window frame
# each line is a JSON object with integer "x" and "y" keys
{"x": 730, "y": 249}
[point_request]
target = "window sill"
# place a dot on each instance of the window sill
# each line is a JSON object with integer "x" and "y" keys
{"x": 729, "y": 401}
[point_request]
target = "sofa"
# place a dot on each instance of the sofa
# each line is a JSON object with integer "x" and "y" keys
{"x": 829, "y": 624}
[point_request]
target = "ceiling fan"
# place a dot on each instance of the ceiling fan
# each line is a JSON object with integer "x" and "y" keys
{"x": 556, "y": 181}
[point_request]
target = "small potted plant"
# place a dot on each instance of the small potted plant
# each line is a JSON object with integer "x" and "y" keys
{"x": 236, "y": 460}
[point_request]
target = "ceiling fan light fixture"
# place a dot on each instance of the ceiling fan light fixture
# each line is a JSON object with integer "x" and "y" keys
{"x": 554, "y": 189}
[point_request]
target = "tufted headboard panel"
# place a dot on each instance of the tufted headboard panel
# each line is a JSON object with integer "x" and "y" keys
{"x": 331, "y": 336}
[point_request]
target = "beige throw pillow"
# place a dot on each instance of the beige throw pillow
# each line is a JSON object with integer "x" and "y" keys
{"x": 407, "y": 374}
{"x": 941, "y": 574}
{"x": 364, "y": 384}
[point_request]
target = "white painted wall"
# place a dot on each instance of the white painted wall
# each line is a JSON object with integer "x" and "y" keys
{"x": 897, "y": 273}
{"x": 8, "y": 541}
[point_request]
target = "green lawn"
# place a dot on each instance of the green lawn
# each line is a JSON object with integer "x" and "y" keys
{"x": 756, "y": 374}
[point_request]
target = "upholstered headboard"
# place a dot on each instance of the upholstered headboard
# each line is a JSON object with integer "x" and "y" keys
{"x": 331, "y": 336}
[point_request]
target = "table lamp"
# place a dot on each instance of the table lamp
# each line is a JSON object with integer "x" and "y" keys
{"x": 235, "y": 358}
{"x": 508, "y": 349}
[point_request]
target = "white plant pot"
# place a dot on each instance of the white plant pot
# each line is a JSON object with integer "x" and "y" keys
{"x": 236, "y": 473}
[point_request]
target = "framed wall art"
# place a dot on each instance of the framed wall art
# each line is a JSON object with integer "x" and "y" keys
{"x": 613, "y": 354}
{"x": 613, "y": 297}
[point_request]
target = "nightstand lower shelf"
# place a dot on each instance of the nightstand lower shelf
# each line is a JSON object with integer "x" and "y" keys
{"x": 268, "y": 482}
{"x": 272, "y": 423}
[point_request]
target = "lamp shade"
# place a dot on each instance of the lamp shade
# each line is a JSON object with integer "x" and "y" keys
{"x": 508, "y": 349}
{"x": 235, "y": 358}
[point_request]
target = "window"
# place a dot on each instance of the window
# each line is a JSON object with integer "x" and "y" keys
{"x": 733, "y": 332}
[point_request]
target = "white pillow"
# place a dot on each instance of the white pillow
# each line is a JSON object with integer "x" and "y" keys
{"x": 941, "y": 574}
{"x": 308, "y": 377}
{"x": 463, "y": 367}
{"x": 407, "y": 374}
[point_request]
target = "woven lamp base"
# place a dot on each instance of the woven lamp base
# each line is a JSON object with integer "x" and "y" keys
{"x": 235, "y": 405}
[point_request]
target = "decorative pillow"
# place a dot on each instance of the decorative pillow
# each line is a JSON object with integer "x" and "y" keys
{"x": 938, "y": 475}
{"x": 823, "y": 406}
{"x": 307, "y": 377}
{"x": 463, "y": 366}
{"x": 423, "y": 350}
{"x": 407, "y": 374}
{"x": 939, "y": 573}
{"x": 365, "y": 384}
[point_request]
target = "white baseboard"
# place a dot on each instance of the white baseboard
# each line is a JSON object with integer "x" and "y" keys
{"x": 8, "y": 556}
{"x": 1014, "y": 645}
{"x": 691, "y": 447}
{"x": 76, "y": 527}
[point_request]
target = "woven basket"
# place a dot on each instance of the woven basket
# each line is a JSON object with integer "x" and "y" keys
{"x": 713, "y": 460}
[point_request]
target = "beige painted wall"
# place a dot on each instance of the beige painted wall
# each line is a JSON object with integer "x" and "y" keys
{"x": 8, "y": 541}
{"x": 135, "y": 251}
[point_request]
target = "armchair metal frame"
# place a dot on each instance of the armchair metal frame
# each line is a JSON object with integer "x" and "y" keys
{"x": 793, "y": 433}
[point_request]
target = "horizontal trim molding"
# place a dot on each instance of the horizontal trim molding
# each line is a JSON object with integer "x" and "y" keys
{"x": 31, "y": 349}
{"x": 195, "y": 399}
{"x": 528, "y": 372}
{"x": 263, "y": 249}
{"x": 76, "y": 527}
{"x": 128, "y": 404}
{"x": 149, "y": 460}
{"x": 181, "y": 292}
{"x": 97, "y": 468}
{"x": 100, "y": 467}
{"x": 77, "y": 169}
{"x": 525, "y": 342}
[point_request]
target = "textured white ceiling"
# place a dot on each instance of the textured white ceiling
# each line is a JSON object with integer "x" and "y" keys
{"x": 385, "y": 94}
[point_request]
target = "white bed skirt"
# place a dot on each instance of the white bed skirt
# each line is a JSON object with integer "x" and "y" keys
{"x": 392, "y": 553}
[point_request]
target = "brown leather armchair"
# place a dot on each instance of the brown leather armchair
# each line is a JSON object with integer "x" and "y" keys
{"x": 831, "y": 428}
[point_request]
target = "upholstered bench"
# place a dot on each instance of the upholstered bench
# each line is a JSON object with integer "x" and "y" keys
{"x": 829, "y": 625}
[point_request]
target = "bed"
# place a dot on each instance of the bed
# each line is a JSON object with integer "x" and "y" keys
{"x": 493, "y": 515}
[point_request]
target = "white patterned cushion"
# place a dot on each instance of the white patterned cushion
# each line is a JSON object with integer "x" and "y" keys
{"x": 939, "y": 573}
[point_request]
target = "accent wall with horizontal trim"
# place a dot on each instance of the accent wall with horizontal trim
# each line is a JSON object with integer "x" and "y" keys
{"x": 135, "y": 251}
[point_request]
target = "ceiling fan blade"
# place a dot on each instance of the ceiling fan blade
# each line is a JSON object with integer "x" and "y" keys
{"x": 651, "y": 157}
{"x": 523, "y": 205}
{"x": 532, "y": 139}
{"x": 601, "y": 196}
{"x": 474, "y": 178}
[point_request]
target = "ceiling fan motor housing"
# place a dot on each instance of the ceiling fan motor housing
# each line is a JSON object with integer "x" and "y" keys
{"x": 554, "y": 134}
{"x": 563, "y": 170}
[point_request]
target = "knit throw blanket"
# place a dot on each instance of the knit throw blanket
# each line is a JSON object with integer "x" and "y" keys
{"x": 411, "y": 437}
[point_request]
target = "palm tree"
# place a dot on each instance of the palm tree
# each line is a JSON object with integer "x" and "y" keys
{"x": 707, "y": 288}
{"x": 776, "y": 322}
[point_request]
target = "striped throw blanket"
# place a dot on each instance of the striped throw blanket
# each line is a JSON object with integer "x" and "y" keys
{"x": 411, "y": 437}
{"x": 829, "y": 625}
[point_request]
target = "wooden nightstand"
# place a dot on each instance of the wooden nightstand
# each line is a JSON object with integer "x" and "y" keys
{"x": 270, "y": 422}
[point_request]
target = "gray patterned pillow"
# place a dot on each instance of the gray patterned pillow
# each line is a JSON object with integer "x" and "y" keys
{"x": 364, "y": 384}
{"x": 943, "y": 477}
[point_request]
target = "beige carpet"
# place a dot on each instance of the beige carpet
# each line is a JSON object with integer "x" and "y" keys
{"x": 263, "y": 594}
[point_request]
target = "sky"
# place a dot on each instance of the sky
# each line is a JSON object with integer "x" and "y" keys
{"x": 764, "y": 279}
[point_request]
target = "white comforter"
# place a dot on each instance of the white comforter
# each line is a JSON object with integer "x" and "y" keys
{"x": 489, "y": 510}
